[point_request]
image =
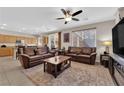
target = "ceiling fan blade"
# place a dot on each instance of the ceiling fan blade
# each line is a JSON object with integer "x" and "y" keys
{"x": 59, "y": 18}
{"x": 66, "y": 22}
{"x": 76, "y": 13}
{"x": 64, "y": 12}
{"x": 68, "y": 12}
{"x": 75, "y": 19}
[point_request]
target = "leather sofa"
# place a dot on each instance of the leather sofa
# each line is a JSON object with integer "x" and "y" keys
{"x": 34, "y": 56}
{"x": 82, "y": 54}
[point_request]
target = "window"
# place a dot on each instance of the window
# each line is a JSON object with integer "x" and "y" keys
{"x": 84, "y": 38}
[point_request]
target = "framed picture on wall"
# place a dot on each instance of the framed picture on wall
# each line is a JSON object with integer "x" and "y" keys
{"x": 66, "y": 37}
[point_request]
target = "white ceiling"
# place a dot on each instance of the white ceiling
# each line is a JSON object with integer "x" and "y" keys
{"x": 37, "y": 20}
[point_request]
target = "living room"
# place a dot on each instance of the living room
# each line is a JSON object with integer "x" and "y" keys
{"x": 59, "y": 46}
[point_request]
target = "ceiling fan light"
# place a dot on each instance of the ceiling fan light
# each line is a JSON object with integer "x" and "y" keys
{"x": 68, "y": 18}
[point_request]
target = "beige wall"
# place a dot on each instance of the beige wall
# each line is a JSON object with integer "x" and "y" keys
{"x": 103, "y": 32}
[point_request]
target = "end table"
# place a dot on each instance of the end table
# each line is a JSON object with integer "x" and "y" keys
{"x": 104, "y": 59}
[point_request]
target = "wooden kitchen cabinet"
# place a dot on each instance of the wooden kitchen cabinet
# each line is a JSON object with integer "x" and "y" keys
{"x": 6, "y": 52}
{"x": 12, "y": 39}
{"x": 6, "y": 39}
{"x": 34, "y": 40}
{"x": 1, "y": 38}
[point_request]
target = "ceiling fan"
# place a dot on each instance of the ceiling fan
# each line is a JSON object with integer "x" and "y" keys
{"x": 68, "y": 16}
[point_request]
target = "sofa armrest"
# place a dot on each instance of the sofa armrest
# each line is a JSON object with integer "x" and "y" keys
{"x": 66, "y": 52}
{"x": 93, "y": 58}
{"x": 93, "y": 54}
{"x": 24, "y": 59}
{"x": 52, "y": 52}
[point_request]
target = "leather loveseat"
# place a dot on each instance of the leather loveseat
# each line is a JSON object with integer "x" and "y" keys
{"x": 82, "y": 54}
{"x": 34, "y": 56}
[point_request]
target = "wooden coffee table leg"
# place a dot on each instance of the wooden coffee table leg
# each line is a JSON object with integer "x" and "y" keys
{"x": 55, "y": 75}
{"x": 44, "y": 66}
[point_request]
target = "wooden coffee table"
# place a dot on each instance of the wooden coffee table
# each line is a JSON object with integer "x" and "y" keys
{"x": 56, "y": 65}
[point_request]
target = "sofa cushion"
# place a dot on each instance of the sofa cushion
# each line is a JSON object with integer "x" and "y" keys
{"x": 71, "y": 54}
{"x": 75, "y": 50}
{"x": 80, "y": 55}
{"x": 29, "y": 51}
{"x": 36, "y": 57}
{"x": 72, "y": 50}
{"x": 40, "y": 51}
{"x": 86, "y": 51}
{"x": 93, "y": 50}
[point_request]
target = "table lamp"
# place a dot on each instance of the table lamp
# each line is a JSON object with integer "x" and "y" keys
{"x": 107, "y": 44}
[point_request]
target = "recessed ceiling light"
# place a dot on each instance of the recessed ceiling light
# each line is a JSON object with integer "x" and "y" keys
{"x": 23, "y": 28}
{"x": 2, "y": 27}
{"x": 4, "y": 24}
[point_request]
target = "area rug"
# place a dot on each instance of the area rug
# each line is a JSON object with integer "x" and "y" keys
{"x": 78, "y": 74}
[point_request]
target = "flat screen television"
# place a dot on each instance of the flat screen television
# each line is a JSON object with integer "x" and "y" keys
{"x": 118, "y": 38}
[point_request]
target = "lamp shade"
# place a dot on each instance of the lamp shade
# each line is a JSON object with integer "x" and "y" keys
{"x": 107, "y": 43}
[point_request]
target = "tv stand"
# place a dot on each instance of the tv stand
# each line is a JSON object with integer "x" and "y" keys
{"x": 120, "y": 55}
{"x": 118, "y": 58}
{"x": 116, "y": 68}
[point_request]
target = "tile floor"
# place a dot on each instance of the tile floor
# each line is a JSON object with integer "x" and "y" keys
{"x": 11, "y": 74}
